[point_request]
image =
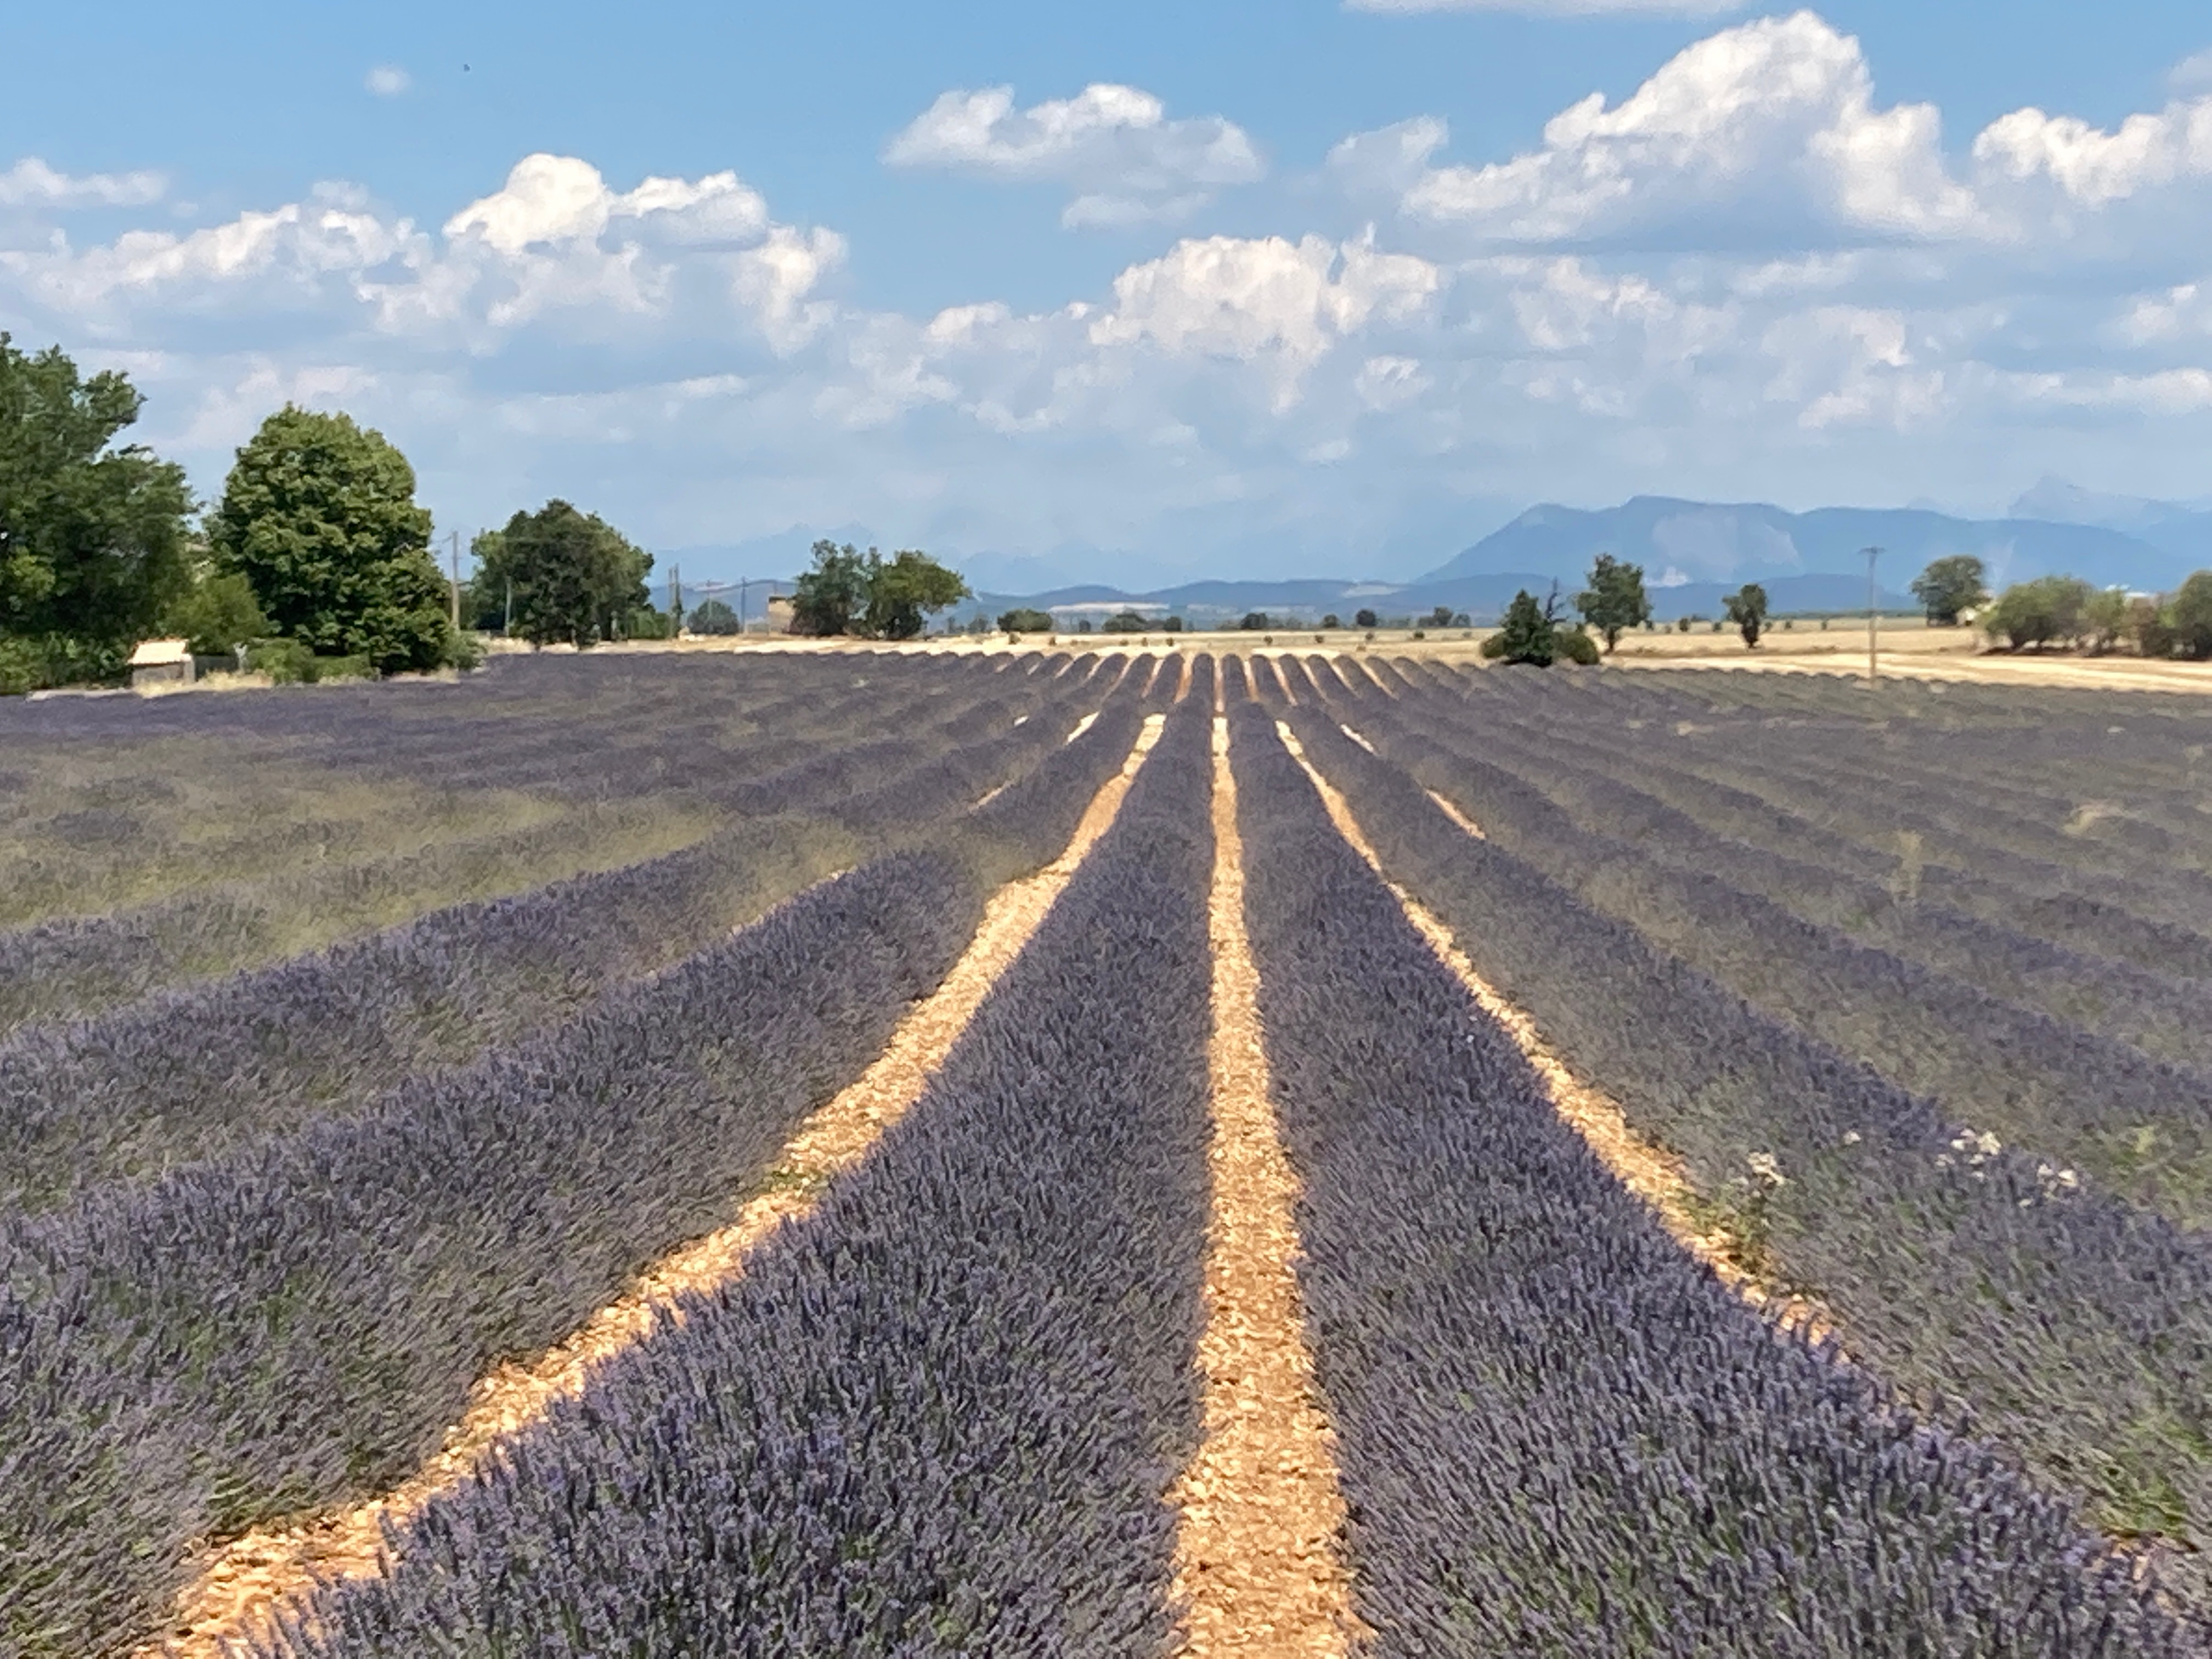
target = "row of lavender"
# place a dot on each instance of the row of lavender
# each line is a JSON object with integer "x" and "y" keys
{"x": 292, "y": 1320}
{"x": 941, "y": 1414}
{"x": 2028, "y": 745}
{"x": 860, "y": 740}
{"x": 2076, "y": 1325}
{"x": 1558, "y": 1434}
{"x": 2069, "y": 1053}
{"x": 1939, "y": 908}
{"x": 187, "y": 1073}
{"x": 1927, "y": 804}
{"x": 660, "y": 723}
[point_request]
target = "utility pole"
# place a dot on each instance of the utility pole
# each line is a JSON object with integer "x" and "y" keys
{"x": 1874, "y": 661}
{"x": 508, "y": 628}
{"x": 675, "y": 594}
{"x": 745, "y": 586}
{"x": 453, "y": 541}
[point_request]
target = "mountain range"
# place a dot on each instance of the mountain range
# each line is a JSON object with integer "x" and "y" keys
{"x": 1692, "y": 554}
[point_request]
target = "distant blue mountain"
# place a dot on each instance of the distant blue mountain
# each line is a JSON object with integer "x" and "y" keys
{"x": 2182, "y": 530}
{"x": 1684, "y": 544}
{"x": 1692, "y": 554}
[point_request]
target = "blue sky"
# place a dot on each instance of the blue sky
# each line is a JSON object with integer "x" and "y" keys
{"x": 1139, "y": 290}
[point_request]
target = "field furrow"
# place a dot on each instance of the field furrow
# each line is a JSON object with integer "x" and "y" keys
{"x": 1560, "y": 1434}
{"x": 1850, "y": 1191}
{"x": 908, "y": 1151}
{"x": 296, "y": 1323}
{"x": 940, "y": 1412}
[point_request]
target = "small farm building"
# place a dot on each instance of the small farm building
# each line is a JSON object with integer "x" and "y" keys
{"x": 161, "y": 662}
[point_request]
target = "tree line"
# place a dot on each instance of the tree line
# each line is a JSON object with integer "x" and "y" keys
{"x": 2068, "y": 612}
{"x": 1952, "y": 592}
{"x": 317, "y": 551}
{"x": 317, "y": 558}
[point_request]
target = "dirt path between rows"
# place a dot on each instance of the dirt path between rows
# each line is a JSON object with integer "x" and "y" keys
{"x": 1653, "y": 1174}
{"x": 1257, "y": 1563}
{"x": 240, "y": 1583}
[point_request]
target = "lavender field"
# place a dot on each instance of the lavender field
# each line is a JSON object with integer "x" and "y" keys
{"x": 1050, "y": 1154}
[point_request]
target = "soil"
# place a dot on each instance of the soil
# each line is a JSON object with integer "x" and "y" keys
{"x": 1258, "y": 1567}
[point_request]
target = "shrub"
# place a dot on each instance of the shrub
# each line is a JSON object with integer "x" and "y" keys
{"x": 1526, "y": 635}
{"x": 1576, "y": 645}
{"x": 714, "y": 617}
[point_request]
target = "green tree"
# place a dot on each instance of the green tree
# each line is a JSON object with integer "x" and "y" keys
{"x": 1747, "y": 609}
{"x": 712, "y": 617}
{"x": 2104, "y": 619}
{"x": 2150, "y": 627}
{"x": 92, "y": 532}
{"x": 1255, "y": 622}
{"x": 1126, "y": 622}
{"x": 1332, "y": 621}
{"x": 1022, "y": 619}
{"x": 1615, "y": 600}
{"x": 2049, "y": 609}
{"x": 1362, "y": 619}
{"x": 1441, "y": 616}
{"x": 904, "y": 591}
{"x": 1173, "y": 624}
{"x": 1527, "y": 634}
{"x": 1950, "y": 586}
{"x": 832, "y": 598}
{"x": 575, "y": 577}
{"x": 217, "y": 614}
{"x": 318, "y": 516}
{"x": 2189, "y": 615}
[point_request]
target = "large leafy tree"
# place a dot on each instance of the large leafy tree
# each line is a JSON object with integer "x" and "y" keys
{"x": 574, "y": 576}
{"x": 832, "y": 598}
{"x": 1615, "y": 601}
{"x": 849, "y": 592}
{"x": 1747, "y": 609}
{"x": 2039, "y": 612}
{"x": 1949, "y": 585}
{"x": 92, "y": 532}
{"x": 904, "y": 590}
{"x": 320, "y": 516}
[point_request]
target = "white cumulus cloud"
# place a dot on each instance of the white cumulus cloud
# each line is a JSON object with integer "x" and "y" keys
{"x": 32, "y": 182}
{"x": 1768, "y": 129}
{"x": 388, "y": 81}
{"x": 1114, "y": 146}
